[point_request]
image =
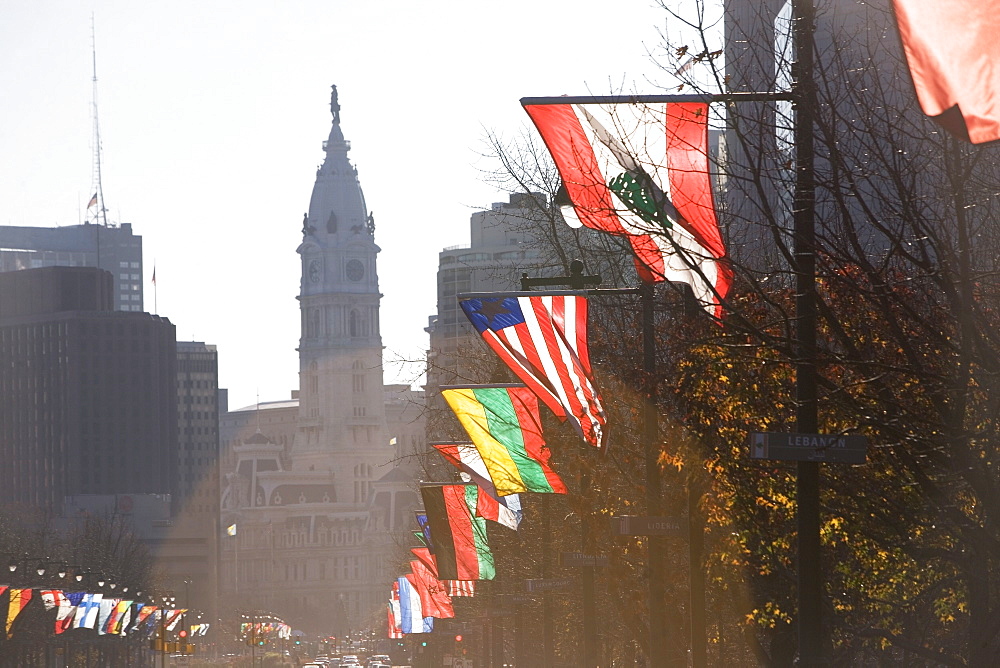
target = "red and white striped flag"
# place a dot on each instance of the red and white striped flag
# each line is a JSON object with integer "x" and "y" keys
{"x": 394, "y": 631}
{"x": 460, "y": 587}
{"x": 395, "y": 612}
{"x": 543, "y": 339}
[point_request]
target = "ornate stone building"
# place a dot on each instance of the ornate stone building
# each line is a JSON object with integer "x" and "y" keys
{"x": 313, "y": 485}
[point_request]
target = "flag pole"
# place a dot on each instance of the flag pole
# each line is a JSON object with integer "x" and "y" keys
{"x": 576, "y": 281}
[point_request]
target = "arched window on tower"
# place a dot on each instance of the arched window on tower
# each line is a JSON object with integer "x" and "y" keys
{"x": 331, "y": 223}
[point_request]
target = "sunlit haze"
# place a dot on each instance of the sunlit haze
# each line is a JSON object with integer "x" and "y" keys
{"x": 212, "y": 117}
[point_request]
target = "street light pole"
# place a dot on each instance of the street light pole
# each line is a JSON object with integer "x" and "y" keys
{"x": 811, "y": 645}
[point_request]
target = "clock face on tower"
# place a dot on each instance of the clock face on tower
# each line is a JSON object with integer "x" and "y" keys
{"x": 314, "y": 271}
{"x": 355, "y": 270}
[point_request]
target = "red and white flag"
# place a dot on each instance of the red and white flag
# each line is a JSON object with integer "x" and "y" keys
{"x": 460, "y": 587}
{"x": 954, "y": 57}
{"x": 543, "y": 339}
{"x": 55, "y": 598}
{"x": 641, "y": 171}
{"x": 394, "y": 631}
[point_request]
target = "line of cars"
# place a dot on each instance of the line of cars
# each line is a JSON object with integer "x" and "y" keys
{"x": 348, "y": 660}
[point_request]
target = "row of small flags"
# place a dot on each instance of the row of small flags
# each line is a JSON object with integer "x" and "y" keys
{"x": 280, "y": 630}
{"x": 84, "y": 610}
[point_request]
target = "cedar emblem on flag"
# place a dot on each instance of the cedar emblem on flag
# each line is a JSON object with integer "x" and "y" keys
{"x": 461, "y": 550}
{"x": 954, "y": 58}
{"x": 640, "y": 171}
{"x": 543, "y": 339}
{"x": 504, "y": 425}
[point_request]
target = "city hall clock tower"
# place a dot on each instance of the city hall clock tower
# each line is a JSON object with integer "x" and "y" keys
{"x": 342, "y": 424}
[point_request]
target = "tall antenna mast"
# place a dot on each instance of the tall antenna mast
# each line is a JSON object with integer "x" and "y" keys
{"x": 100, "y": 216}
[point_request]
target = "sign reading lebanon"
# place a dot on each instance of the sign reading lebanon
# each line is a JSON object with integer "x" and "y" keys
{"x": 809, "y": 447}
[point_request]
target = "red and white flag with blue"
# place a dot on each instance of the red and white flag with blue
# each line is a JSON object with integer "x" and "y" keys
{"x": 543, "y": 339}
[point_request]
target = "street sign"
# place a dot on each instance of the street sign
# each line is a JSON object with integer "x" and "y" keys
{"x": 543, "y": 585}
{"x": 635, "y": 525}
{"x": 809, "y": 447}
{"x": 580, "y": 560}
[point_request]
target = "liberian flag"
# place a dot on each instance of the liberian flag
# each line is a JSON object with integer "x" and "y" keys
{"x": 543, "y": 339}
{"x": 504, "y": 425}
{"x": 18, "y": 599}
{"x": 460, "y": 547}
{"x": 641, "y": 171}
{"x": 460, "y": 588}
{"x": 954, "y": 57}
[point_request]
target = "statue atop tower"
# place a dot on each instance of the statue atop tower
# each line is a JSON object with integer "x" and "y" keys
{"x": 334, "y": 105}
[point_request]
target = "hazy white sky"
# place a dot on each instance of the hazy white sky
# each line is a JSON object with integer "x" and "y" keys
{"x": 212, "y": 117}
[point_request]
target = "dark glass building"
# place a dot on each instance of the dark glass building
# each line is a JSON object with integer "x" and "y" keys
{"x": 88, "y": 394}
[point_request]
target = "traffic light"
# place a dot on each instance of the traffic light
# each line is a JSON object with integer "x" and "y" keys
{"x": 182, "y": 634}
{"x": 458, "y": 638}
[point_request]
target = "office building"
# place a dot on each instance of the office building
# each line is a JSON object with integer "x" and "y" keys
{"x": 89, "y": 394}
{"x": 113, "y": 248}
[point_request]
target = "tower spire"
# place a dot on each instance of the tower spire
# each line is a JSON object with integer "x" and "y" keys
{"x": 100, "y": 215}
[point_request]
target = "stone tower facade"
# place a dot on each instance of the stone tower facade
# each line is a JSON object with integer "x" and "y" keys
{"x": 342, "y": 425}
